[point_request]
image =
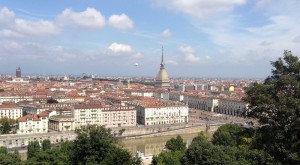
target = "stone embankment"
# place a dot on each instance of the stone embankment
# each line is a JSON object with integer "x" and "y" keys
{"x": 16, "y": 141}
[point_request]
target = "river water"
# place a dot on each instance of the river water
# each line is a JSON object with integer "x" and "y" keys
{"x": 153, "y": 145}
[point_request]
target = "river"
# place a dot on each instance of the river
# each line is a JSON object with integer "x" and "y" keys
{"x": 153, "y": 145}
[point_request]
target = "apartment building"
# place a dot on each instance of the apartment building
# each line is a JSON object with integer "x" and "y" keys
{"x": 12, "y": 111}
{"x": 99, "y": 114}
{"x": 14, "y": 98}
{"x": 33, "y": 123}
{"x": 61, "y": 123}
{"x": 202, "y": 103}
{"x": 155, "y": 111}
{"x": 231, "y": 107}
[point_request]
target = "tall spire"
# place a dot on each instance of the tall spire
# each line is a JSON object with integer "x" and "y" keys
{"x": 162, "y": 65}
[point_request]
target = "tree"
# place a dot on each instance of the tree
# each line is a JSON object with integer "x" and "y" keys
{"x": 169, "y": 158}
{"x": 32, "y": 149}
{"x": 6, "y": 128}
{"x": 176, "y": 144}
{"x": 176, "y": 148}
{"x": 228, "y": 135}
{"x": 204, "y": 152}
{"x": 52, "y": 101}
{"x": 9, "y": 158}
{"x": 276, "y": 105}
{"x": 46, "y": 145}
{"x": 3, "y": 150}
{"x": 1, "y": 90}
{"x": 6, "y": 119}
{"x": 96, "y": 145}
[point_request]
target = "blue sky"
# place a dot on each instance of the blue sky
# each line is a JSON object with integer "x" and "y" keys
{"x": 201, "y": 38}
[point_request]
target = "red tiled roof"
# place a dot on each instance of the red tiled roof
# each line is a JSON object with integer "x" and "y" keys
{"x": 34, "y": 117}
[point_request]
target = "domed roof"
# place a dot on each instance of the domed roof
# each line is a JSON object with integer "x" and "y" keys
{"x": 162, "y": 78}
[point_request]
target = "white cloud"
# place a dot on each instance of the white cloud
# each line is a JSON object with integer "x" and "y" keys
{"x": 191, "y": 57}
{"x": 12, "y": 45}
{"x": 6, "y": 16}
{"x": 166, "y": 33}
{"x": 186, "y": 49}
{"x": 137, "y": 56}
{"x": 119, "y": 48}
{"x": 297, "y": 39}
{"x": 120, "y": 21}
{"x": 90, "y": 18}
{"x": 37, "y": 28}
{"x": 9, "y": 33}
{"x": 189, "y": 53}
{"x": 201, "y": 9}
{"x": 173, "y": 62}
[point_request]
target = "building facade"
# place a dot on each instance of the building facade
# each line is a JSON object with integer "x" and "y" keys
{"x": 111, "y": 116}
{"x": 231, "y": 107}
{"x": 33, "y": 123}
{"x": 61, "y": 123}
{"x": 11, "y": 111}
{"x": 166, "y": 112}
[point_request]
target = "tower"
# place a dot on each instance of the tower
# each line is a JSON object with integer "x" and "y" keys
{"x": 162, "y": 79}
{"x": 18, "y": 72}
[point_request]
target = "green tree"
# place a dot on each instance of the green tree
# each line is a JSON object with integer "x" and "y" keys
{"x": 1, "y": 90}
{"x": 228, "y": 135}
{"x": 50, "y": 156}
{"x": 167, "y": 158}
{"x": 6, "y": 119}
{"x": 6, "y": 128}
{"x": 204, "y": 152}
{"x": 32, "y": 149}
{"x": 3, "y": 150}
{"x": 176, "y": 144}
{"x": 9, "y": 158}
{"x": 96, "y": 145}
{"x": 276, "y": 105}
{"x": 46, "y": 145}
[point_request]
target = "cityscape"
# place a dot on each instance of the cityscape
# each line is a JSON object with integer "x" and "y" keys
{"x": 149, "y": 82}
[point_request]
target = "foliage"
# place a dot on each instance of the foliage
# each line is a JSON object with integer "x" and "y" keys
{"x": 6, "y": 119}
{"x": 168, "y": 158}
{"x": 9, "y": 158}
{"x": 50, "y": 156}
{"x": 6, "y": 124}
{"x": 276, "y": 105}
{"x": 52, "y": 101}
{"x": 121, "y": 131}
{"x": 176, "y": 144}
{"x": 3, "y": 150}
{"x": 204, "y": 152}
{"x": 46, "y": 145}
{"x": 1, "y": 90}
{"x": 175, "y": 152}
{"x": 6, "y": 128}
{"x": 32, "y": 149}
{"x": 227, "y": 135}
{"x": 96, "y": 145}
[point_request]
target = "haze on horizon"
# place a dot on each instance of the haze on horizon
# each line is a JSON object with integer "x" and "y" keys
{"x": 201, "y": 38}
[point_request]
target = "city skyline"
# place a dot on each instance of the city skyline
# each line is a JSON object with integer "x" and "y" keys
{"x": 202, "y": 38}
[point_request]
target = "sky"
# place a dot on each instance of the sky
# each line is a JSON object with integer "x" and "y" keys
{"x": 200, "y": 38}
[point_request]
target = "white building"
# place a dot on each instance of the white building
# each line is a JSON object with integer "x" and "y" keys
{"x": 202, "y": 103}
{"x": 15, "y": 99}
{"x": 154, "y": 112}
{"x": 11, "y": 111}
{"x": 61, "y": 123}
{"x": 33, "y": 123}
{"x": 231, "y": 107}
{"x": 89, "y": 114}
